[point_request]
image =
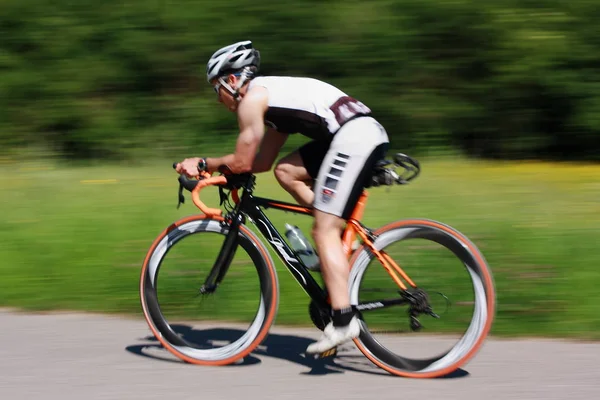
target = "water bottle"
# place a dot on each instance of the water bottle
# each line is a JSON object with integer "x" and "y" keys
{"x": 302, "y": 247}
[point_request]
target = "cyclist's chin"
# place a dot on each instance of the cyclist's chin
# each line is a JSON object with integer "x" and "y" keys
{"x": 230, "y": 105}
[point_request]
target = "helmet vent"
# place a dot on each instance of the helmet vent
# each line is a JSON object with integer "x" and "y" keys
{"x": 212, "y": 67}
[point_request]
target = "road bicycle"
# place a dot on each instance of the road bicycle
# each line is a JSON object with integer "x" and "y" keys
{"x": 227, "y": 258}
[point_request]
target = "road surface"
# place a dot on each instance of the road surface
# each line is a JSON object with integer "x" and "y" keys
{"x": 84, "y": 357}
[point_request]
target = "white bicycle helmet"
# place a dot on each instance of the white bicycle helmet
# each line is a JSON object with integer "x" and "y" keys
{"x": 232, "y": 58}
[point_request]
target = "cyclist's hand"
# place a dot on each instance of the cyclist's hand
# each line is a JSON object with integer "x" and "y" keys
{"x": 189, "y": 167}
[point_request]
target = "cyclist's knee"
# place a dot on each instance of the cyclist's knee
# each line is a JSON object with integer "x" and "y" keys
{"x": 326, "y": 225}
{"x": 283, "y": 174}
{"x": 287, "y": 173}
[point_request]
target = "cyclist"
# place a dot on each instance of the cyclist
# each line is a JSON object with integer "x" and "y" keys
{"x": 327, "y": 173}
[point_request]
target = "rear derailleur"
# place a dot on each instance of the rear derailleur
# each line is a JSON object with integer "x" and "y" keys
{"x": 418, "y": 303}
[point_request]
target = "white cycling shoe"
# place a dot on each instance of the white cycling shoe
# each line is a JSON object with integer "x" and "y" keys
{"x": 334, "y": 336}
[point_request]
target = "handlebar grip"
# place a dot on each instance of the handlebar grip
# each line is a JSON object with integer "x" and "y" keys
{"x": 188, "y": 184}
{"x": 195, "y": 185}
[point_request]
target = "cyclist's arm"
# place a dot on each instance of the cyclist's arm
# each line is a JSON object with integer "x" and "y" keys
{"x": 269, "y": 149}
{"x": 252, "y": 130}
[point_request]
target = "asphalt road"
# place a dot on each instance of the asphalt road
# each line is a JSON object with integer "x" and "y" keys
{"x": 82, "y": 356}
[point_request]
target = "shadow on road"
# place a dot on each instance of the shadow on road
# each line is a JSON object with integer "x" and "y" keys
{"x": 286, "y": 347}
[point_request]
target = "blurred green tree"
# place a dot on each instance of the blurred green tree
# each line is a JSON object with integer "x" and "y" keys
{"x": 499, "y": 79}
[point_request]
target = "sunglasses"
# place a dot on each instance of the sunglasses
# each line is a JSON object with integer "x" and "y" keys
{"x": 221, "y": 82}
{"x": 218, "y": 85}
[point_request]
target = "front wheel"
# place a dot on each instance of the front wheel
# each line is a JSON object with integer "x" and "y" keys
{"x": 449, "y": 272}
{"x": 183, "y": 316}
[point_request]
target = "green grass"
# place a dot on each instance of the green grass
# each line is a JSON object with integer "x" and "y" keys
{"x": 75, "y": 237}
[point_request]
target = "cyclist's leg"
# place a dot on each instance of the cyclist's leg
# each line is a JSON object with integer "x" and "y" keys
{"x": 335, "y": 269}
{"x": 296, "y": 171}
{"x": 327, "y": 232}
{"x": 342, "y": 175}
{"x": 344, "y": 170}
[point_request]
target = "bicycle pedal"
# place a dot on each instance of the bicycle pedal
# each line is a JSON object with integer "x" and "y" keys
{"x": 328, "y": 353}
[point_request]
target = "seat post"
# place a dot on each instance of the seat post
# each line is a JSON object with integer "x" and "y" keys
{"x": 361, "y": 204}
{"x": 350, "y": 232}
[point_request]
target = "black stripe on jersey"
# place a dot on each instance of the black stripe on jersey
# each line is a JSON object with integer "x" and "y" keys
{"x": 289, "y": 120}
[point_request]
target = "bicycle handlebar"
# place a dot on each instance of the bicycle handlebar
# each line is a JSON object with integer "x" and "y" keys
{"x": 195, "y": 185}
{"x": 382, "y": 176}
{"x": 214, "y": 180}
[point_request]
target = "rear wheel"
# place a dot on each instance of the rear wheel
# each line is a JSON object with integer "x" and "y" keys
{"x": 183, "y": 319}
{"x": 452, "y": 277}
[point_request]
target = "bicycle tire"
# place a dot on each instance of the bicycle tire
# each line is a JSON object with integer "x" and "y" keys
{"x": 484, "y": 293}
{"x": 165, "y": 334}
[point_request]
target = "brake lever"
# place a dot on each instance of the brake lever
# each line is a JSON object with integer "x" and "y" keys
{"x": 222, "y": 196}
{"x": 181, "y": 199}
{"x": 185, "y": 183}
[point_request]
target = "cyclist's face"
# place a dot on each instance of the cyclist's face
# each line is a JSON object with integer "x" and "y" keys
{"x": 224, "y": 96}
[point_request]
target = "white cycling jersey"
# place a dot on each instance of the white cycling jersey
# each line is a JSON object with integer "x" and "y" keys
{"x": 308, "y": 106}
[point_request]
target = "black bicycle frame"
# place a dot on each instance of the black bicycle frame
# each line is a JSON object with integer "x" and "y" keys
{"x": 289, "y": 257}
{"x": 252, "y": 207}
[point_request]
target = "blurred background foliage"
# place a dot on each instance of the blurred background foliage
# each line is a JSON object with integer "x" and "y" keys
{"x": 124, "y": 79}
{"x": 96, "y": 87}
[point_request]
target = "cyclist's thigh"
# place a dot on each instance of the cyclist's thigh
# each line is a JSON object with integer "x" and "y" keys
{"x": 308, "y": 157}
{"x": 356, "y": 147}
